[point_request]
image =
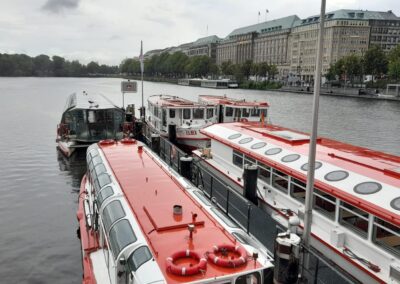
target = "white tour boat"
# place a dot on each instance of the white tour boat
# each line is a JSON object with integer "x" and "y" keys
{"x": 356, "y": 205}
{"x": 141, "y": 223}
{"x": 88, "y": 118}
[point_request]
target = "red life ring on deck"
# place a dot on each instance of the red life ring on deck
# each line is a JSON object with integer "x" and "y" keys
{"x": 183, "y": 270}
{"x": 244, "y": 120}
{"x": 228, "y": 262}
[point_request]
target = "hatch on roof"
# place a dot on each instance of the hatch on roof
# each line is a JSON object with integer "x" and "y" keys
{"x": 288, "y": 135}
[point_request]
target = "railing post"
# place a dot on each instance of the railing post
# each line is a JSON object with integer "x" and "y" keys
{"x": 211, "y": 186}
{"x": 316, "y": 271}
{"x": 248, "y": 217}
{"x": 227, "y": 200}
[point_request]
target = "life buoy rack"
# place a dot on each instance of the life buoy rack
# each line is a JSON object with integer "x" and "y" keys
{"x": 228, "y": 262}
{"x": 184, "y": 270}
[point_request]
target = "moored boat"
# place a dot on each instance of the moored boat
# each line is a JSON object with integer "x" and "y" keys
{"x": 356, "y": 199}
{"x": 88, "y": 118}
{"x": 140, "y": 222}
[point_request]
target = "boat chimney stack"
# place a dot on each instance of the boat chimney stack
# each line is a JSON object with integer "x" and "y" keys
{"x": 186, "y": 167}
{"x": 287, "y": 258}
{"x": 250, "y": 183}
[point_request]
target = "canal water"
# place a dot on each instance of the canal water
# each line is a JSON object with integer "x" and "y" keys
{"x": 39, "y": 187}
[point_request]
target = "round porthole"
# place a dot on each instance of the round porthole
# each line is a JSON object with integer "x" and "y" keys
{"x": 290, "y": 158}
{"x": 395, "y": 203}
{"x": 234, "y": 136}
{"x": 336, "y": 175}
{"x": 245, "y": 140}
{"x": 368, "y": 187}
{"x": 305, "y": 166}
{"x": 273, "y": 151}
{"x": 258, "y": 145}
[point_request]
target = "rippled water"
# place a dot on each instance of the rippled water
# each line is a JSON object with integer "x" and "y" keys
{"x": 39, "y": 186}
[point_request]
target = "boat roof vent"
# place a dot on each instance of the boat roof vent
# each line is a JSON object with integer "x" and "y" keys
{"x": 288, "y": 136}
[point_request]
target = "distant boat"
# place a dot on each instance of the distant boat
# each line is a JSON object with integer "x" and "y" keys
{"x": 205, "y": 83}
{"x": 88, "y": 118}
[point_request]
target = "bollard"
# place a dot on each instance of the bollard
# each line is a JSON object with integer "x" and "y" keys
{"x": 250, "y": 183}
{"x": 186, "y": 167}
{"x": 287, "y": 258}
{"x": 155, "y": 143}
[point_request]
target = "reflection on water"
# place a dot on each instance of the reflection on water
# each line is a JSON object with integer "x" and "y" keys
{"x": 39, "y": 186}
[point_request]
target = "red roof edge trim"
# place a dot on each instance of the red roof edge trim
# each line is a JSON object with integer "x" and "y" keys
{"x": 344, "y": 196}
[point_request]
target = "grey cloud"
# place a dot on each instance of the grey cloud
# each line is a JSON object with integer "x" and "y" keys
{"x": 57, "y": 6}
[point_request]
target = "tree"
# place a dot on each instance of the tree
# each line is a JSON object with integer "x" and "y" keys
{"x": 273, "y": 71}
{"x": 375, "y": 62}
{"x": 93, "y": 68}
{"x": 394, "y": 54}
{"x": 394, "y": 69}
{"x": 352, "y": 66}
{"x": 227, "y": 68}
{"x": 58, "y": 66}
{"x": 42, "y": 65}
{"x": 263, "y": 69}
{"x": 246, "y": 68}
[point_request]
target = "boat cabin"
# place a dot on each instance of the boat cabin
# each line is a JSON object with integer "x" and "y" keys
{"x": 140, "y": 222}
{"x": 90, "y": 118}
{"x": 231, "y": 110}
{"x": 356, "y": 199}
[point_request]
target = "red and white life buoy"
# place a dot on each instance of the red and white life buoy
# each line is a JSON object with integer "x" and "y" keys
{"x": 228, "y": 262}
{"x": 184, "y": 270}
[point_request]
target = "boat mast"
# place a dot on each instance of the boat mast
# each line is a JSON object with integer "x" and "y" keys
{"x": 313, "y": 139}
{"x": 141, "y": 70}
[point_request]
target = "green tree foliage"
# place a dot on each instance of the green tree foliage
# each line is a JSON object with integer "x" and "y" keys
{"x": 375, "y": 62}
{"x": 247, "y": 67}
{"x": 42, "y": 65}
{"x": 227, "y": 68}
{"x": 394, "y": 69}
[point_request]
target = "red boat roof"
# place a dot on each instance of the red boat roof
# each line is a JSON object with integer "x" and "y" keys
{"x": 151, "y": 193}
{"x": 362, "y": 165}
{"x": 223, "y": 100}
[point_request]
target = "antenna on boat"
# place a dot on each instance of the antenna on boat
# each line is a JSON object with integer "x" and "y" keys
{"x": 313, "y": 139}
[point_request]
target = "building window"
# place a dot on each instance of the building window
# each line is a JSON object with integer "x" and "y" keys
{"x": 237, "y": 159}
{"x": 354, "y": 218}
{"x": 298, "y": 189}
{"x": 186, "y": 113}
{"x": 386, "y": 235}
{"x": 280, "y": 180}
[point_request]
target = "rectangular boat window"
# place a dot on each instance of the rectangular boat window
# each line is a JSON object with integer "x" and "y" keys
{"x": 354, "y": 218}
{"x": 237, "y": 159}
{"x": 386, "y": 235}
{"x": 164, "y": 117}
{"x": 171, "y": 113}
{"x": 111, "y": 213}
{"x": 210, "y": 113}
{"x": 238, "y": 112}
{"x": 324, "y": 203}
{"x": 121, "y": 235}
{"x": 104, "y": 194}
{"x": 245, "y": 112}
{"x": 264, "y": 111}
{"x": 101, "y": 181}
{"x": 264, "y": 173}
{"x": 186, "y": 113}
{"x": 255, "y": 112}
{"x": 249, "y": 161}
{"x": 138, "y": 257}
{"x": 298, "y": 189}
{"x": 198, "y": 113}
{"x": 252, "y": 278}
{"x": 228, "y": 112}
{"x": 280, "y": 180}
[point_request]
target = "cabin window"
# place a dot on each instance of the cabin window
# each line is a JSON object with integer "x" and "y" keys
{"x": 237, "y": 159}
{"x": 255, "y": 112}
{"x": 263, "y": 111}
{"x": 229, "y": 112}
{"x": 210, "y": 113}
{"x": 121, "y": 235}
{"x": 101, "y": 181}
{"x": 186, "y": 113}
{"x": 249, "y": 161}
{"x": 138, "y": 257}
{"x": 264, "y": 173}
{"x": 324, "y": 203}
{"x": 252, "y": 278}
{"x": 198, "y": 113}
{"x": 104, "y": 194}
{"x": 164, "y": 117}
{"x": 111, "y": 213}
{"x": 280, "y": 180}
{"x": 298, "y": 189}
{"x": 245, "y": 112}
{"x": 354, "y": 218}
{"x": 386, "y": 235}
{"x": 238, "y": 112}
{"x": 171, "y": 113}
{"x": 100, "y": 169}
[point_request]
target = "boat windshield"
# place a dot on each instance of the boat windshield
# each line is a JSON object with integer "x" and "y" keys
{"x": 94, "y": 125}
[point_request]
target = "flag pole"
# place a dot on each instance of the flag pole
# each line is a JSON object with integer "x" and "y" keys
{"x": 141, "y": 70}
{"x": 313, "y": 139}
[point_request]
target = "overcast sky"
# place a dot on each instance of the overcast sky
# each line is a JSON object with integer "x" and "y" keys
{"x": 108, "y": 31}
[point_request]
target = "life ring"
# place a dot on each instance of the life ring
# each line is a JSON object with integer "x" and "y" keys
{"x": 244, "y": 120}
{"x": 184, "y": 270}
{"x": 228, "y": 262}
